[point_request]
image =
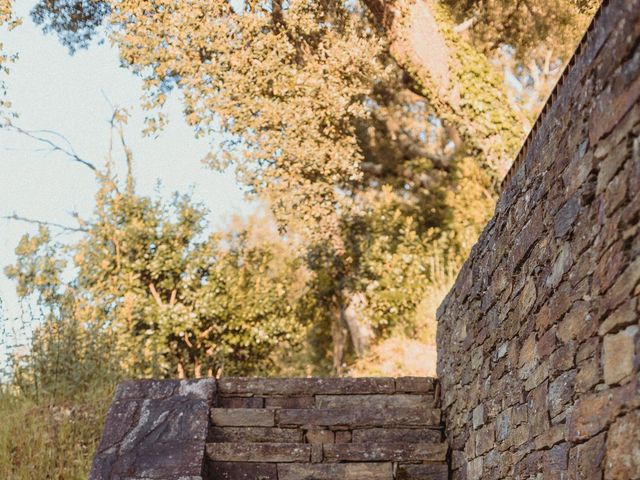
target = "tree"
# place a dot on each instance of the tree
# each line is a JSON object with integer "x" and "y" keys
{"x": 6, "y": 19}
{"x": 324, "y": 103}
{"x": 167, "y": 298}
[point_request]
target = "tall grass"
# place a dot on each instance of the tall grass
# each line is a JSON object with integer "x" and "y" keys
{"x": 55, "y": 389}
{"x": 50, "y": 440}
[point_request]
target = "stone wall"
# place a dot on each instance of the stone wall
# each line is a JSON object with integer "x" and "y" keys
{"x": 538, "y": 341}
{"x": 274, "y": 429}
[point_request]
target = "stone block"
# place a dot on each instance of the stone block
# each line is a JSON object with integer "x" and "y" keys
{"x": 415, "y": 385}
{"x": 360, "y": 418}
{"x": 593, "y": 412}
{"x": 475, "y": 469}
{"x": 478, "y": 416}
{"x": 586, "y": 459}
{"x": 258, "y": 452}
{"x": 336, "y": 471}
{"x": 243, "y": 471}
{"x": 254, "y": 435}
{"x": 619, "y": 354}
{"x": 290, "y": 402}
{"x": 319, "y": 435}
{"x": 385, "y": 452}
{"x": 423, "y": 472}
{"x": 396, "y": 435}
{"x": 623, "y": 448}
{"x": 624, "y": 315}
{"x": 242, "y": 417}
{"x": 155, "y": 430}
{"x": 561, "y": 391}
{"x": 304, "y": 386}
{"x": 566, "y": 216}
{"x": 375, "y": 401}
{"x": 239, "y": 402}
{"x": 344, "y": 436}
{"x": 485, "y": 439}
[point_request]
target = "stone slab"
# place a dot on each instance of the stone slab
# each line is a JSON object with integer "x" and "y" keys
{"x": 258, "y": 452}
{"x": 324, "y": 471}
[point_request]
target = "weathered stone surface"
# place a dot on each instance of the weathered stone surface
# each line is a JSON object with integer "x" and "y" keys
{"x": 383, "y": 452}
{"x": 254, "y": 435}
{"x": 305, "y": 386}
{"x": 243, "y": 471}
{"x": 290, "y": 402}
{"x": 242, "y": 417}
{"x": 478, "y": 416}
{"x": 344, "y": 436}
{"x": 319, "y": 435}
{"x": 539, "y": 338}
{"x": 361, "y": 417}
{"x": 396, "y": 435}
{"x": 239, "y": 402}
{"x": 585, "y": 460}
{"x": 561, "y": 392}
{"x": 155, "y": 430}
{"x": 259, "y": 452}
{"x": 414, "y": 385}
{"x": 623, "y": 448}
{"x": 375, "y": 401}
{"x": 423, "y": 472}
{"x": 619, "y": 354}
{"x": 336, "y": 471}
{"x": 191, "y": 431}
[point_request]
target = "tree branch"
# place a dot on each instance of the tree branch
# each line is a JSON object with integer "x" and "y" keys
{"x": 54, "y": 147}
{"x": 19, "y": 218}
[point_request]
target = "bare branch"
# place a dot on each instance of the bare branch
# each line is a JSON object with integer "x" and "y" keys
{"x": 68, "y": 151}
{"x": 467, "y": 24}
{"x": 19, "y": 218}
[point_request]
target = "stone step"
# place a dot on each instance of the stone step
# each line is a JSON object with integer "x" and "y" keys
{"x": 323, "y": 386}
{"x": 309, "y": 434}
{"x": 385, "y": 452}
{"x": 347, "y": 471}
{"x": 326, "y": 429}
{"x": 374, "y": 400}
{"x": 327, "y": 417}
{"x": 327, "y": 471}
{"x": 331, "y": 452}
{"x": 300, "y": 471}
{"x": 259, "y": 452}
{"x": 362, "y": 417}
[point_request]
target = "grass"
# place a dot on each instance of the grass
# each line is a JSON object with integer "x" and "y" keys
{"x": 50, "y": 440}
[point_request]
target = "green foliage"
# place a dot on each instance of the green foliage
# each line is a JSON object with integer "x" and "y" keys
{"x": 164, "y": 298}
{"x": 75, "y": 21}
{"x": 7, "y": 21}
{"x": 525, "y": 25}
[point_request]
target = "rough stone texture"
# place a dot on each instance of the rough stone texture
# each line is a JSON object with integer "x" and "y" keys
{"x": 538, "y": 341}
{"x": 287, "y": 429}
{"x": 155, "y": 430}
{"x": 372, "y": 428}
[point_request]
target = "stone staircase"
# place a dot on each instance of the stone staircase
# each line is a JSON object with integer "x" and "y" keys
{"x": 326, "y": 429}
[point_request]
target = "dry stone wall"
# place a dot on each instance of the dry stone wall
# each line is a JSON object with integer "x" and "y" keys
{"x": 539, "y": 339}
{"x": 274, "y": 429}
{"x": 326, "y": 429}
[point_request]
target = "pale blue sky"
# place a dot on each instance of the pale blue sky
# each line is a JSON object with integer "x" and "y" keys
{"x": 51, "y": 90}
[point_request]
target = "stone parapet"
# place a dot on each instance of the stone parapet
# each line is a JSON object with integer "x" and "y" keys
{"x": 270, "y": 429}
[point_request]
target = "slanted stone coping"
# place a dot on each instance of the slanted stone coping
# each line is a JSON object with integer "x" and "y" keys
{"x": 274, "y": 429}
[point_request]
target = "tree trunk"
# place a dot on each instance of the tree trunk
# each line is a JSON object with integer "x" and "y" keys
{"x": 359, "y": 326}
{"x": 339, "y": 337}
{"x": 457, "y": 80}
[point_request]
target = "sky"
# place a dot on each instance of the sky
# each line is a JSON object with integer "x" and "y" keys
{"x": 51, "y": 90}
